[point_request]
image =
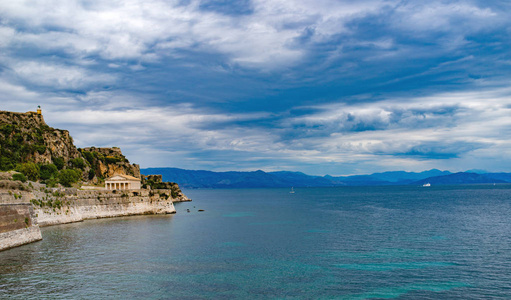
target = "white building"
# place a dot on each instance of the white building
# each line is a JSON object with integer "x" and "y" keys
{"x": 122, "y": 182}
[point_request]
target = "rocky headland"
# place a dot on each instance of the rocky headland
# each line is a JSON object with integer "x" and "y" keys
{"x": 46, "y": 180}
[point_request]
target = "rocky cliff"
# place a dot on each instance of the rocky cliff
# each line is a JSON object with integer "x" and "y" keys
{"x": 105, "y": 162}
{"x": 26, "y": 138}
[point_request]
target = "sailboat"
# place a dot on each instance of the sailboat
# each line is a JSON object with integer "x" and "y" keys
{"x": 292, "y": 191}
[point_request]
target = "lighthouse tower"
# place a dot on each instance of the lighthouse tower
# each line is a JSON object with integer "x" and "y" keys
{"x": 39, "y": 112}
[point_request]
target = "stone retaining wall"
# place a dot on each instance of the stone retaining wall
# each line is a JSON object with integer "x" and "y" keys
{"x": 19, "y": 222}
{"x": 78, "y": 205}
{"x": 17, "y": 225}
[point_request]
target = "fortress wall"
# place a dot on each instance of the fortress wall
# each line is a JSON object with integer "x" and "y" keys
{"x": 17, "y": 225}
{"x": 87, "y": 204}
{"x": 19, "y": 222}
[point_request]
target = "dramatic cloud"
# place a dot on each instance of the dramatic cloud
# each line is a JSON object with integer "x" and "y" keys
{"x": 328, "y": 86}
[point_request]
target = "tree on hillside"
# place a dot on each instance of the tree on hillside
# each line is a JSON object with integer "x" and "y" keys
{"x": 48, "y": 171}
{"x": 69, "y": 176}
{"x": 31, "y": 170}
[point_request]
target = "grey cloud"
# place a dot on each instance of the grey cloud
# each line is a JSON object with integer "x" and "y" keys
{"x": 442, "y": 149}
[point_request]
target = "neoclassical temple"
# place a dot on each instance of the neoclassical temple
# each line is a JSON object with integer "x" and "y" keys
{"x": 122, "y": 182}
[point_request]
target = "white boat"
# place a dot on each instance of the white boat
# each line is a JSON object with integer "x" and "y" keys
{"x": 426, "y": 184}
{"x": 292, "y": 191}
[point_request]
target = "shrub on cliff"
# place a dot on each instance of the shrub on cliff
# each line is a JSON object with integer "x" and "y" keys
{"x": 52, "y": 182}
{"x": 31, "y": 170}
{"x": 48, "y": 171}
{"x": 7, "y": 129}
{"x": 77, "y": 163}
{"x": 59, "y": 162}
{"x": 89, "y": 156}
{"x": 6, "y": 163}
{"x": 69, "y": 176}
{"x": 112, "y": 159}
{"x": 19, "y": 177}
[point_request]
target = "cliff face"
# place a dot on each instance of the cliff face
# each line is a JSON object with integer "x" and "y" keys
{"x": 25, "y": 137}
{"x": 105, "y": 162}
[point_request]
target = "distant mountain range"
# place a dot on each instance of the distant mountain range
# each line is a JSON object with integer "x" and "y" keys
{"x": 260, "y": 179}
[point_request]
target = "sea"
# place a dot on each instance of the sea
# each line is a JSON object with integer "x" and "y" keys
{"x": 391, "y": 242}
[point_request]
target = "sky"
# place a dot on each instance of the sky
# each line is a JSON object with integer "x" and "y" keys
{"x": 322, "y": 87}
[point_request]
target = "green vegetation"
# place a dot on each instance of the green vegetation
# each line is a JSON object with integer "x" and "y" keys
{"x": 155, "y": 185}
{"x": 48, "y": 171}
{"x": 17, "y": 146}
{"x": 69, "y": 176}
{"x": 31, "y": 170}
{"x": 49, "y": 203}
{"x": 97, "y": 159}
{"x": 19, "y": 177}
{"x": 77, "y": 163}
{"x": 174, "y": 191}
{"x": 59, "y": 162}
{"x": 113, "y": 159}
{"x": 52, "y": 182}
{"x": 6, "y": 164}
{"x": 89, "y": 156}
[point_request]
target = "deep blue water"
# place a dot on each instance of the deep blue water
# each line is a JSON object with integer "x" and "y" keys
{"x": 319, "y": 243}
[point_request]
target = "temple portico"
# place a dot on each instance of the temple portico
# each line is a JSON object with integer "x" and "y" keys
{"x": 122, "y": 182}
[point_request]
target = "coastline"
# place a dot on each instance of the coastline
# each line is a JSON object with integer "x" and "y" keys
{"x": 21, "y": 218}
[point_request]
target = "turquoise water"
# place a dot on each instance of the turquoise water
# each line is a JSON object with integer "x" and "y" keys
{"x": 319, "y": 243}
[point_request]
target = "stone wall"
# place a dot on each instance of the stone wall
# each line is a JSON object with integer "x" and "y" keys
{"x": 17, "y": 225}
{"x": 20, "y": 221}
{"x": 86, "y": 204}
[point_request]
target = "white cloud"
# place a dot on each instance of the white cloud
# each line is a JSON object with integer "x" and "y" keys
{"x": 451, "y": 124}
{"x": 58, "y": 76}
{"x": 266, "y": 39}
{"x": 413, "y": 140}
{"x": 441, "y": 16}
